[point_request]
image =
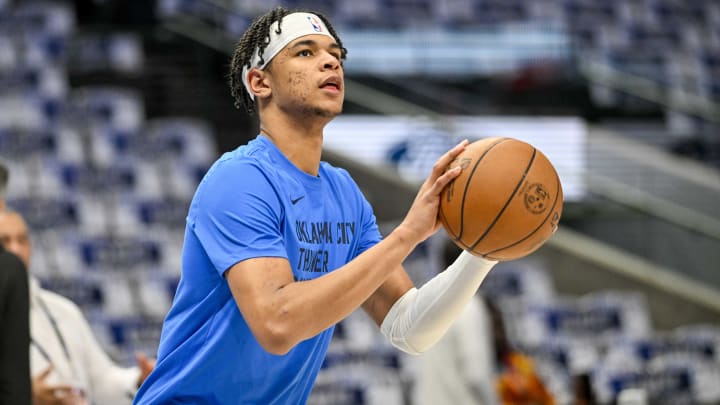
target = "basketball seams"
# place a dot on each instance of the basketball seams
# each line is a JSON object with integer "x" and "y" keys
{"x": 549, "y": 215}
{"x": 468, "y": 183}
{"x": 509, "y": 200}
{"x": 464, "y": 246}
{"x": 444, "y": 220}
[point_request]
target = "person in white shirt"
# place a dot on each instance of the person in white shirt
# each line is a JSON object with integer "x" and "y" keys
{"x": 460, "y": 367}
{"x": 67, "y": 364}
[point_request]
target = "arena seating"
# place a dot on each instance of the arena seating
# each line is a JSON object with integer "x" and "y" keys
{"x": 105, "y": 188}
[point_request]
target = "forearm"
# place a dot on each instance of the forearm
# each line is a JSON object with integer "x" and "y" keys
{"x": 303, "y": 309}
{"x": 421, "y": 316}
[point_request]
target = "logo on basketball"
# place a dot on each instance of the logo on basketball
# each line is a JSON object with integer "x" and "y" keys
{"x": 536, "y": 198}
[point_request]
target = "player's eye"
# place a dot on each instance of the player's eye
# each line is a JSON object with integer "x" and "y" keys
{"x": 305, "y": 52}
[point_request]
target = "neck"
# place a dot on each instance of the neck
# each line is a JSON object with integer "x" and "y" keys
{"x": 299, "y": 140}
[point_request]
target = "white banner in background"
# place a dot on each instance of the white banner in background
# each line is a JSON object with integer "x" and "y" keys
{"x": 412, "y": 144}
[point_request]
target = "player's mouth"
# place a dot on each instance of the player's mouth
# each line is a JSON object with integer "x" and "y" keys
{"x": 332, "y": 83}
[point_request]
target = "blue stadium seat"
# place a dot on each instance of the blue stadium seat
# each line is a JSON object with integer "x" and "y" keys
{"x": 331, "y": 394}
{"x": 47, "y": 213}
{"x": 46, "y": 16}
{"x": 33, "y": 178}
{"x": 44, "y": 48}
{"x": 18, "y": 143}
{"x": 42, "y": 83}
{"x": 187, "y": 139}
{"x": 359, "y": 377}
{"x": 670, "y": 379}
{"x": 9, "y": 55}
{"x": 125, "y": 335}
{"x": 116, "y": 107}
{"x": 629, "y": 306}
{"x": 455, "y": 14}
{"x": 166, "y": 212}
{"x": 98, "y": 179}
{"x": 117, "y": 52}
{"x": 571, "y": 356}
{"x": 597, "y": 319}
{"x": 518, "y": 281}
{"x": 87, "y": 292}
{"x": 361, "y": 14}
{"x": 118, "y": 253}
{"x": 704, "y": 338}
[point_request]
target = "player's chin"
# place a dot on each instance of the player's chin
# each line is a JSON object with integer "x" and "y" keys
{"x": 329, "y": 110}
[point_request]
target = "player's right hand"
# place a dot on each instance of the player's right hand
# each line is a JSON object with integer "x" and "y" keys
{"x": 422, "y": 220}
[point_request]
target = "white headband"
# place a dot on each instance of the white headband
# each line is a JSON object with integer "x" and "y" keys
{"x": 294, "y": 26}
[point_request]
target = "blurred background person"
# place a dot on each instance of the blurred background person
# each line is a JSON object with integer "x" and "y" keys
{"x": 67, "y": 363}
{"x": 475, "y": 362}
{"x": 460, "y": 368}
{"x": 14, "y": 322}
{"x": 518, "y": 382}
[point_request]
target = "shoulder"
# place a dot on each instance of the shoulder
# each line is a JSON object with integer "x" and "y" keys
{"x": 249, "y": 157}
{"x": 334, "y": 170}
{"x": 248, "y": 165}
{"x": 338, "y": 175}
{"x": 343, "y": 184}
{"x": 242, "y": 170}
{"x": 242, "y": 180}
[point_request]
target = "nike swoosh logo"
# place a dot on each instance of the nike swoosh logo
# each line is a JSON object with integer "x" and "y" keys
{"x": 295, "y": 201}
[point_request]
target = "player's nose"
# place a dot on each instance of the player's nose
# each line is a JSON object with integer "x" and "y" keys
{"x": 330, "y": 62}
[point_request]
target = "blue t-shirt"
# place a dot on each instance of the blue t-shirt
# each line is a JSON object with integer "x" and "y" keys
{"x": 253, "y": 202}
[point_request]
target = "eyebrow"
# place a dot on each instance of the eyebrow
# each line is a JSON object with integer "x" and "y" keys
{"x": 311, "y": 42}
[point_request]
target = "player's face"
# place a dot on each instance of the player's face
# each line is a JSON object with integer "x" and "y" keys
{"x": 14, "y": 236}
{"x": 307, "y": 77}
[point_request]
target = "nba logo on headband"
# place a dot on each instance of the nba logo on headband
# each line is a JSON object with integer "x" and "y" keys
{"x": 315, "y": 23}
{"x": 294, "y": 26}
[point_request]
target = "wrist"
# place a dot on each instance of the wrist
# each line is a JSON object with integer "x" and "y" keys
{"x": 405, "y": 236}
{"x": 467, "y": 259}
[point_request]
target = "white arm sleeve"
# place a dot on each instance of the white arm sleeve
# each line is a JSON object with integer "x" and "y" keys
{"x": 422, "y": 316}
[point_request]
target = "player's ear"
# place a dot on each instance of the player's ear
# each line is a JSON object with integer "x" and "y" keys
{"x": 259, "y": 83}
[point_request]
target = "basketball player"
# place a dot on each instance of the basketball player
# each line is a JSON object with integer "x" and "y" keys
{"x": 280, "y": 246}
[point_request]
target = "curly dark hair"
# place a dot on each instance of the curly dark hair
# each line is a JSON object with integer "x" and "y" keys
{"x": 257, "y": 36}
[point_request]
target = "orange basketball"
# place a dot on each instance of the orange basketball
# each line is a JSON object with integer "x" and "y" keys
{"x": 505, "y": 203}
